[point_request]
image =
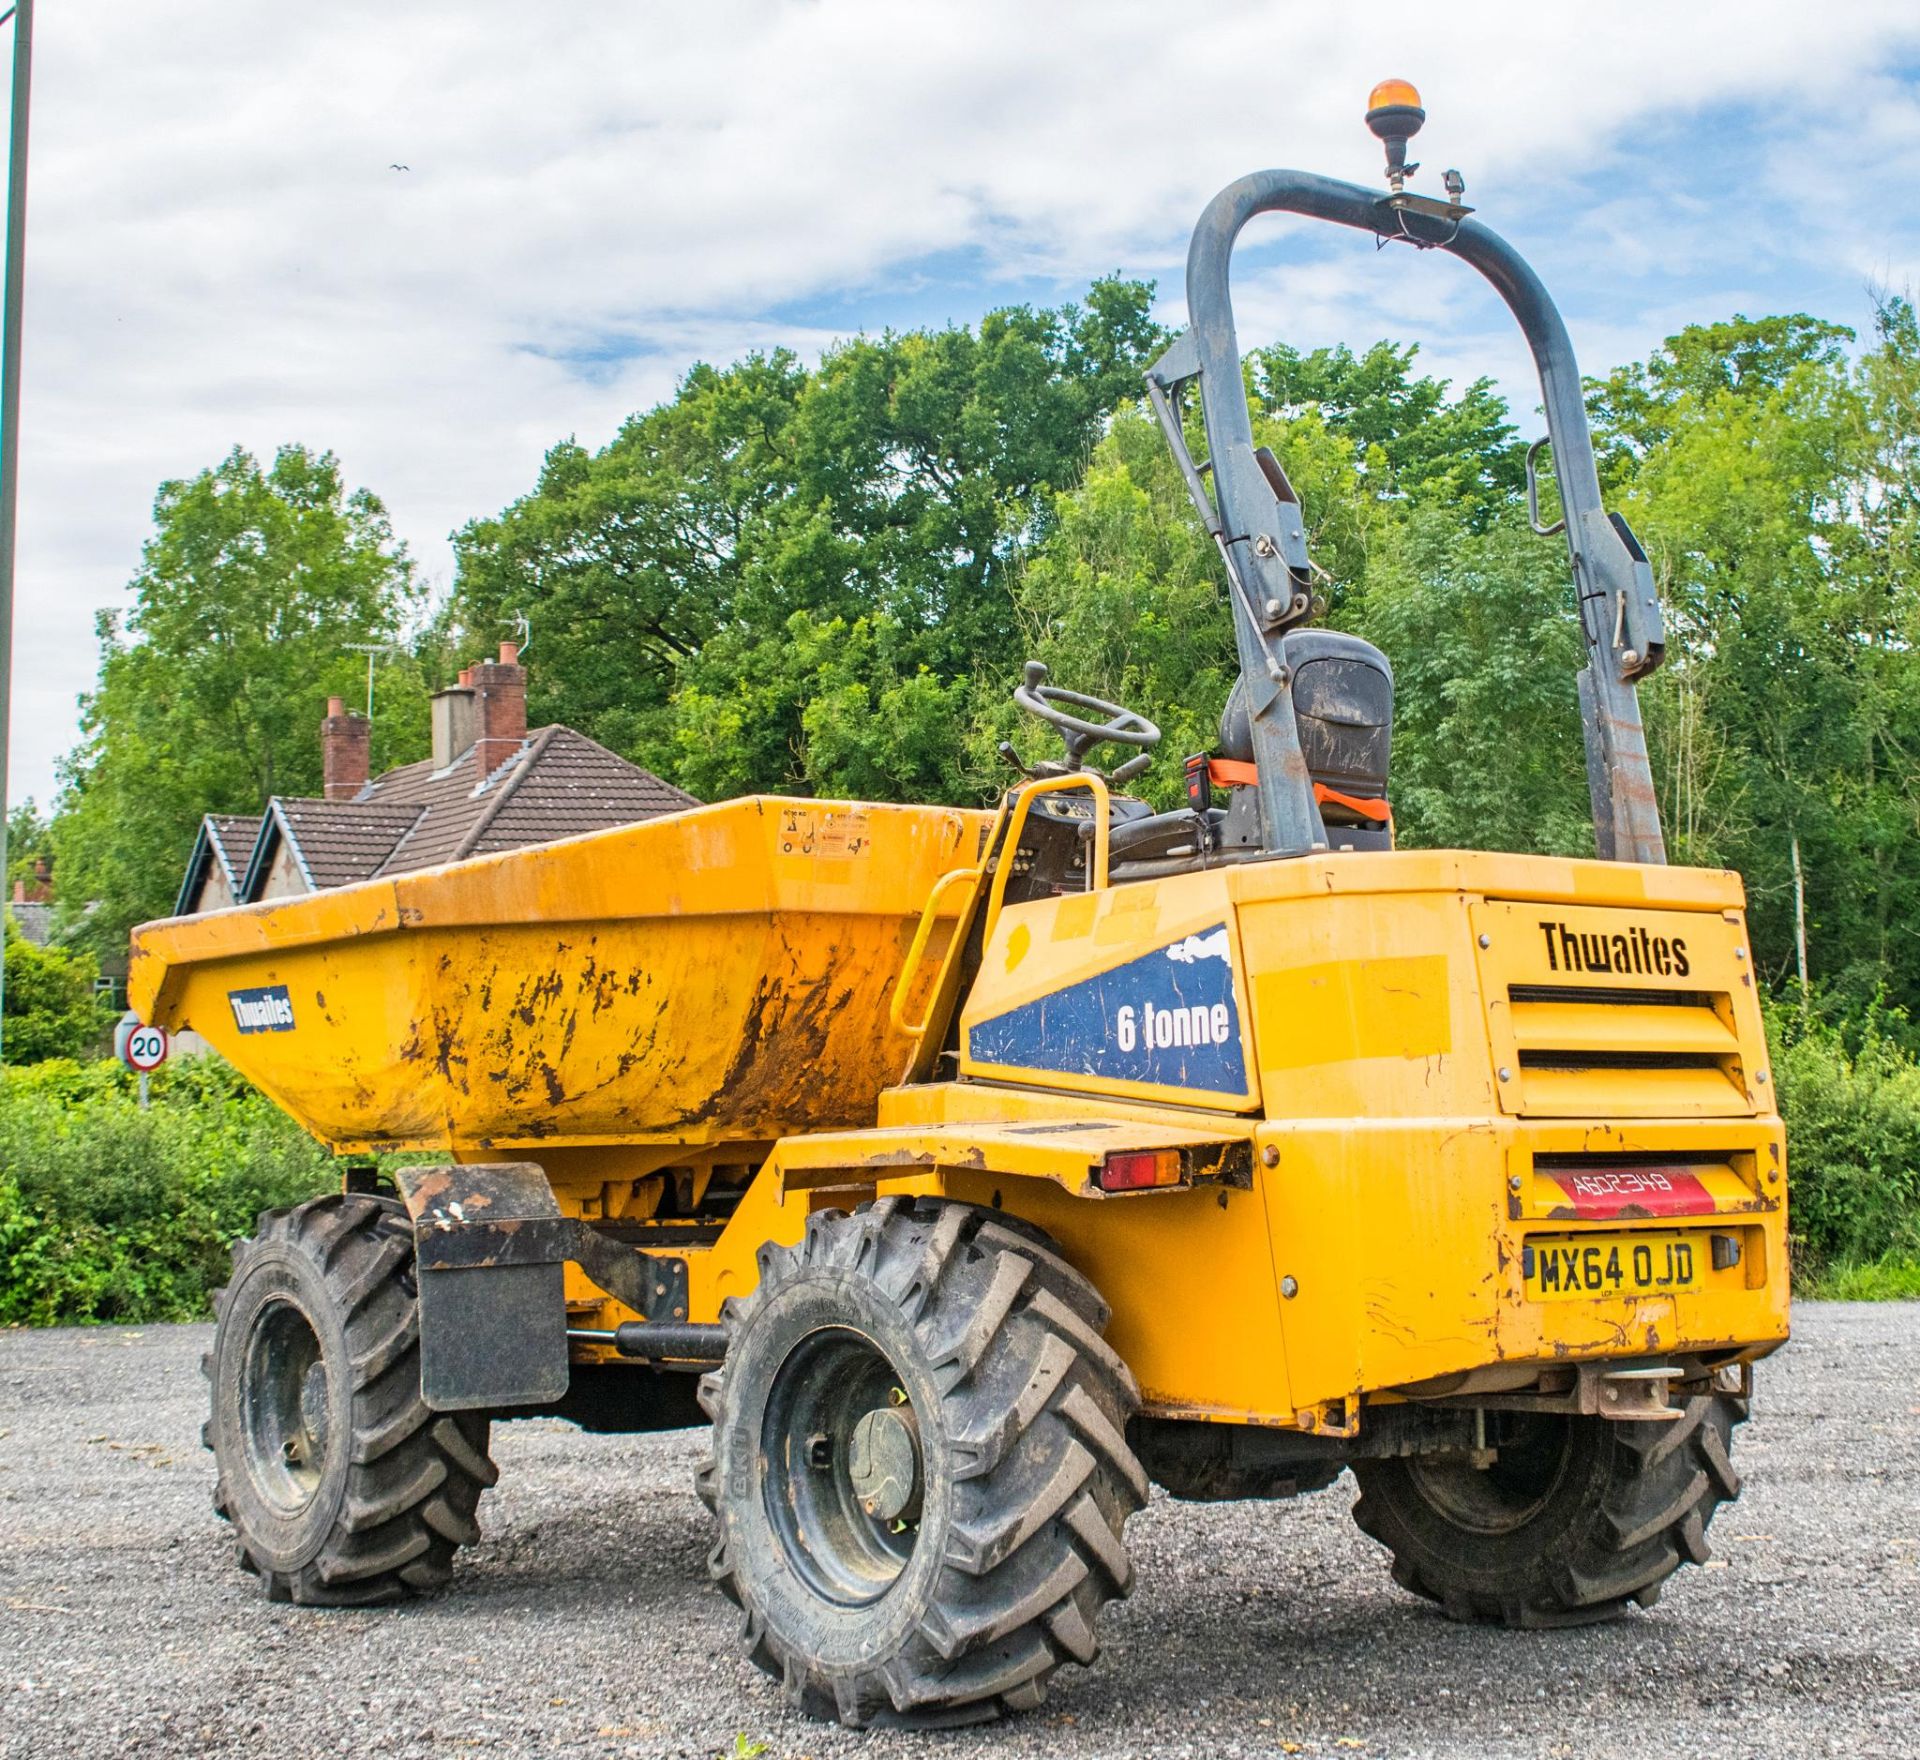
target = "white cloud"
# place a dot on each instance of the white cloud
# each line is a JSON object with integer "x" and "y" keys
{"x": 221, "y": 252}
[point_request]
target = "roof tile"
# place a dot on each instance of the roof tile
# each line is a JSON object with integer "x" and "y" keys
{"x": 233, "y": 836}
{"x": 339, "y": 842}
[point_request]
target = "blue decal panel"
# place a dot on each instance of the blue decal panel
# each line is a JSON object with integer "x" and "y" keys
{"x": 1168, "y": 1018}
{"x": 268, "y": 1010}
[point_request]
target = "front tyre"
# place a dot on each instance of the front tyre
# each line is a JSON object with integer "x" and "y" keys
{"x": 920, "y": 1473}
{"x": 342, "y": 1485}
{"x": 1575, "y": 1519}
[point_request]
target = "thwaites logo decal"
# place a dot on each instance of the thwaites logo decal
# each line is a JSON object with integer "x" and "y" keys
{"x": 1167, "y": 1018}
{"x": 262, "y": 1011}
{"x": 1636, "y": 952}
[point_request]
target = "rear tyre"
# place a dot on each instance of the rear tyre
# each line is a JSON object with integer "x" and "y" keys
{"x": 1576, "y": 1520}
{"x": 920, "y": 1473}
{"x": 342, "y": 1485}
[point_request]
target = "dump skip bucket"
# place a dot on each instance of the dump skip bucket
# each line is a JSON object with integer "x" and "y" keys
{"x": 722, "y": 973}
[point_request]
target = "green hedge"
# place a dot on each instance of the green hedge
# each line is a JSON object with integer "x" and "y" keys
{"x": 111, "y": 1213}
{"x": 1850, "y": 1093}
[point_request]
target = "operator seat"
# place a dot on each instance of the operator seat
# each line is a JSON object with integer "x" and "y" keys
{"x": 1343, "y": 703}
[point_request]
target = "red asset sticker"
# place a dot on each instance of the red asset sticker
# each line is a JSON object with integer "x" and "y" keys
{"x": 1633, "y": 1191}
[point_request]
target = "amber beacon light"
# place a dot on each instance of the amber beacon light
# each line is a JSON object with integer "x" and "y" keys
{"x": 1394, "y": 113}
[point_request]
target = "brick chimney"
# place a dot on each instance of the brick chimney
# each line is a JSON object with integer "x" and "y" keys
{"x": 344, "y": 750}
{"x": 500, "y": 704}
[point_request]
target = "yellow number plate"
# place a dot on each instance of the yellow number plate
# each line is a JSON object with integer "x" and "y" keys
{"x": 1612, "y": 1265}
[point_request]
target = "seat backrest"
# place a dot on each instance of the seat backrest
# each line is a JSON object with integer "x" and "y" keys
{"x": 1343, "y": 700}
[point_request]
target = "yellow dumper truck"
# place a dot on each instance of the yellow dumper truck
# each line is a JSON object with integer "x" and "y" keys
{"x": 969, "y": 1172}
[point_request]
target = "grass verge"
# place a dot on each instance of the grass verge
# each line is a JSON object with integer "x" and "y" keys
{"x": 1895, "y": 1278}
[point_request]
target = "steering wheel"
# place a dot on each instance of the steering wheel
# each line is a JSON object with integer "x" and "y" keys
{"x": 1051, "y": 704}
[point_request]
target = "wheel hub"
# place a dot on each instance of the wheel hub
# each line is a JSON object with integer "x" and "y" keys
{"x": 844, "y": 1483}
{"x": 883, "y": 1462}
{"x": 286, "y": 1407}
{"x": 1532, "y": 1455}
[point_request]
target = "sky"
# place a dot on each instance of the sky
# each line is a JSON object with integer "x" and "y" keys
{"x": 436, "y": 238}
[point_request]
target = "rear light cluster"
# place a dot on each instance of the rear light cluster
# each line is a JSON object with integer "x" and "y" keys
{"x": 1139, "y": 1170}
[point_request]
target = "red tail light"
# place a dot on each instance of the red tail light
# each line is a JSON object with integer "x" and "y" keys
{"x": 1139, "y": 1170}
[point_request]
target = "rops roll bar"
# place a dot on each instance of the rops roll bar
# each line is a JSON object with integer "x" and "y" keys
{"x": 1254, "y": 514}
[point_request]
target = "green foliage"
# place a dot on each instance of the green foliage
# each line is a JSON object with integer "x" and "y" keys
{"x": 111, "y": 1213}
{"x": 1852, "y": 1112}
{"x": 629, "y": 559}
{"x": 1410, "y": 437}
{"x": 52, "y": 1009}
{"x": 1641, "y": 406}
{"x": 29, "y": 841}
{"x": 1894, "y": 1277}
{"x": 211, "y": 696}
{"x": 883, "y": 500}
{"x": 1772, "y": 481}
{"x": 825, "y": 707}
{"x": 1481, "y": 632}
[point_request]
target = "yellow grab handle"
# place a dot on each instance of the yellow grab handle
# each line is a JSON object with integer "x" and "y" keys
{"x": 1096, "y": 866}
{"x": 897, "y": 1007}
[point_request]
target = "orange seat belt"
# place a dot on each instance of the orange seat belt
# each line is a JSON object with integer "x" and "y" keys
{"x": 1378, "y": 811}
{"x": 1237, "y": 773}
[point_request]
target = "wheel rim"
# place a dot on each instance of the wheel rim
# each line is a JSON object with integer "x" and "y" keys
{"x": 1533, "y": 1451}
{"x": 844, "y": 1475}
{"x": 286, "y": 1407}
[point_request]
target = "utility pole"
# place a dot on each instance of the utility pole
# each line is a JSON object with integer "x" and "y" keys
{"x": 22, "y": 15}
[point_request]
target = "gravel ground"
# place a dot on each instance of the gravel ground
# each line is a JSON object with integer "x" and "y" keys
{"x": 583, "y": 1624}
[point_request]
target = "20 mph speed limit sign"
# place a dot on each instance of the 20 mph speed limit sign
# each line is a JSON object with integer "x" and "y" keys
{"x": 146, "y": 1048}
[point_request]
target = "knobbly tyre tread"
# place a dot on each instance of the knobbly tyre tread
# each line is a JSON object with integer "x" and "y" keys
{"x": 1655, "y": 1494}
{"x": 1034, "y": 1404}
{"x": 413, "y": 1476}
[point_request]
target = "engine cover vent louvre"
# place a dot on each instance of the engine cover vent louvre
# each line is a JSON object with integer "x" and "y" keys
{"x": 1582, "y": 1027}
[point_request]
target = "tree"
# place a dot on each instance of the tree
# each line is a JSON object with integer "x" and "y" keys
{"x": 628, "y": 560}
{"x": 887, "y": 495}
{"x": 29, "y": 843}
{"x": 1409, "y": 436}
{"x": 831, "y": 708}
{"x": 1481, "y": 629}
{"x": 1639, "y": 406}
{"x": 211, "y": 694}
{"x": 1769, "y": 476}
{"x": 941, "y": 453}
{"x": 52, "y": 1009}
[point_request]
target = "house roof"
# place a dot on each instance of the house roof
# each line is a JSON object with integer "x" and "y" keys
{"x": 570, "y": 785}
{"x": 335, "y": 843}
{"x": 33, "y": 919}
{"x": 226, "y": 838}
{"x": 557, "y": 784}
{"x": 454, "y": 804}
